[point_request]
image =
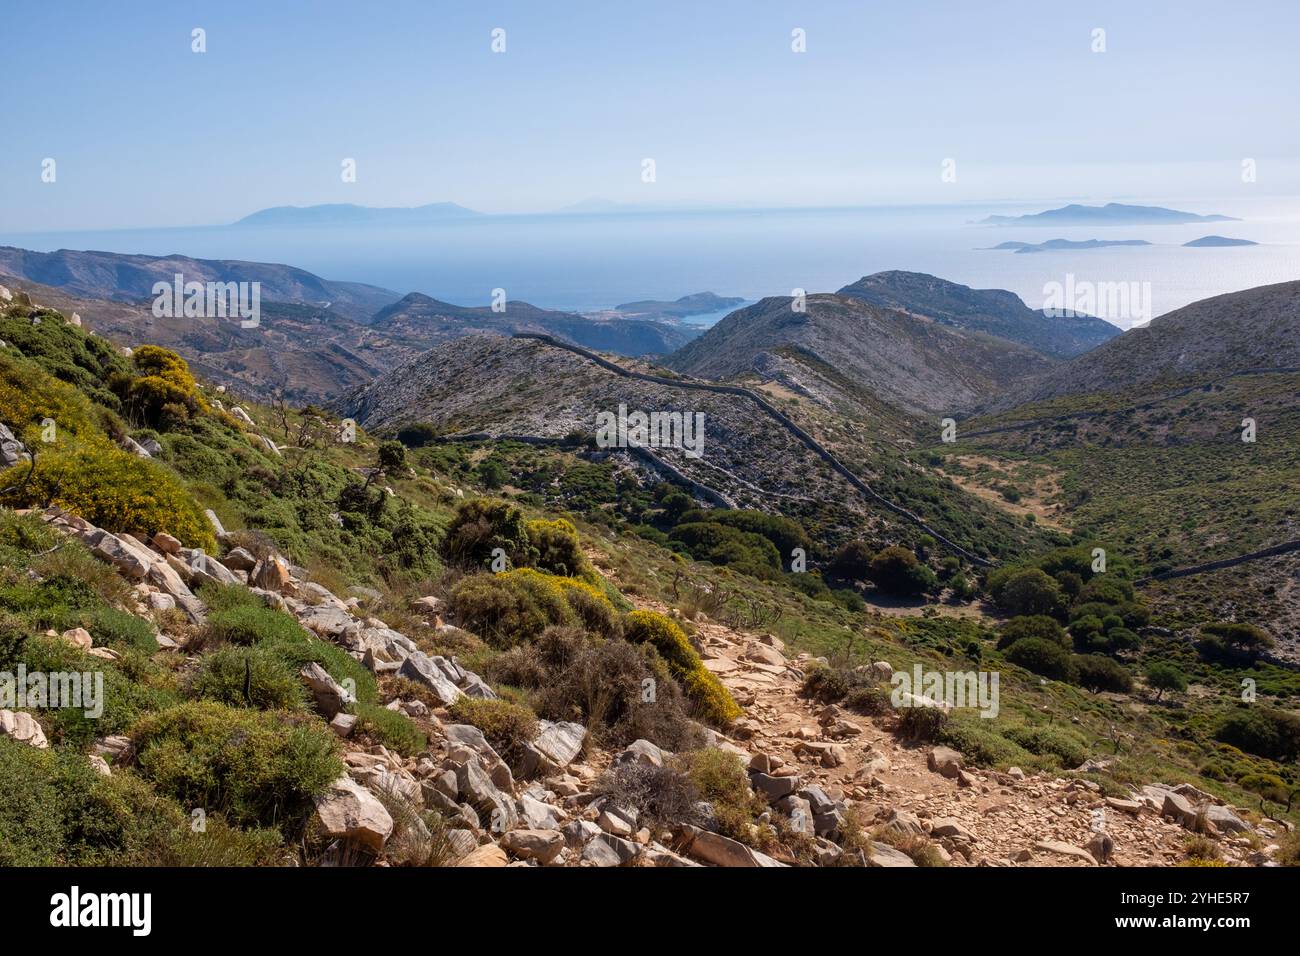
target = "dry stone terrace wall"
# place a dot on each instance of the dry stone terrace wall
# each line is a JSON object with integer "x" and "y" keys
{"x": 808, "y": 441}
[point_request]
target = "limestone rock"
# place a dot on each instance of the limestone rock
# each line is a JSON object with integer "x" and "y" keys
{"x": 541, "y": 845}
{"x": 1065, "y": 849}
{"x": 330, "y": 696}
{"x": 944, "y": 761}
{"x": 489, "y": 854}
{"x": 78, "y": 637}
{"x": 723, "y": 851}
{"x": 22, "y": 727}
{"x": 166, "y": 543}
{"x": 884, "y": 855}
{"x": 349, "y": 811}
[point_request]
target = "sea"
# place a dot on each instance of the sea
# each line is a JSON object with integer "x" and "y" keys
{"x": 590, "y": 262}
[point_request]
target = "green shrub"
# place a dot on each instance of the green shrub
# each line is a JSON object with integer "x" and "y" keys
{"x": 1036, "y": 625}
{"x": 1030, "y": 592}
{"x": 720, "y": 777}
{"x": 825, "y": 685}
{"x": 391, "y": 728}
{"x": 220, "y": 845}
{"x": 130, "y": 687}
{"x": 479, "y": 527}
{"x": 391, "y": 457}
{"x": 1164, "y": 676}
{"x": 592, "y": 607}
{"x": 557, "y": 546}
{"x": 1069, "y": 747}
{"x": 1246, "y": 640}
{"x": 55, "y": 809}
{"x": 248, "y": 677}
{"x": 896, "y": 570}
{"x": 119, "y": 630}
{"x": 164, "y": 386}
{"x": 1096, "y": 672}
{"x": 31, "y": 825}
{"x": 723, "y": 545}
{"x": 981, "y": 745}
{"x": 254, "y": 767}
{"x": 1263, "y": 731}
{"x": 86, "y": 362}
{"x": 418, "y": 435}
{"x": 507, "y": 726}
{"x": 922, "y": 724}
{"x": 1046, "y": 658}
{"x": 28, "y": 396}
{"x": 250, "y": 624}
{"x": 871, "y": 700}
{"x": 510, "y": 608}
{"x": 785, "y": 534}
{"x": 491, "y": 474}
{"x": 1268, "y": 785}
{"x": 852, "y": 561}
{"x": 338, "y": 663}
{"x": 110, "y": 488}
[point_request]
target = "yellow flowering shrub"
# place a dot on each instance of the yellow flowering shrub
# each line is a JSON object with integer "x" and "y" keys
{"x": 712, "y": 701}
{"x": 110, "y": 488}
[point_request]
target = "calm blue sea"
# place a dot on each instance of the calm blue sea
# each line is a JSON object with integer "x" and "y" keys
{"x": 592, "y": 262}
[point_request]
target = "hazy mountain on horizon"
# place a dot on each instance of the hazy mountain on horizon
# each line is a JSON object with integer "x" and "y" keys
{"x": 697, "y": 303}
{"x": 1210, "y": 242}
{"x": 1111, "y": 214}
{"x": 351, "y": 214}
{"x": 1055, "y": 245}
{"x": 420, "y": 316}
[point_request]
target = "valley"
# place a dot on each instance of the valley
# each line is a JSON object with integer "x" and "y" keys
{"x": 823, "y": 536}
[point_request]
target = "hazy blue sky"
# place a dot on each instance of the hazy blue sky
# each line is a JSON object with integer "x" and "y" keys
{"x": 146, "y": 132}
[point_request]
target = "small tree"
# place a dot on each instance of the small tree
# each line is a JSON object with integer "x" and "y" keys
{"x": 852, "y": 561}
{"x": 392, "y": 457}
{"x": 1096, "y": 673}
{"x": 1031, "y": 592}
{"x": 1163, "y": 677}
{"x": 1244, "y": 638}
{"x": 491, "y": 474}
{"x": 897, "y": 571}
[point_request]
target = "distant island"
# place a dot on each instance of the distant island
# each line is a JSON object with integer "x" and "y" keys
{"x": 699, "y": 303}
{"x": 1057, "y": 244}
{"x": 1111, "y": 214}
{"x": 350, "y": 214}
{"x": 1208, "y": 241}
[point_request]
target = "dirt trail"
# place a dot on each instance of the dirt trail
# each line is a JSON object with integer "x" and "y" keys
{"x": 1003, "y": 816}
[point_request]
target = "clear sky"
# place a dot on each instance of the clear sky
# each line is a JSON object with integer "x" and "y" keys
{"x": 146, "y": 132}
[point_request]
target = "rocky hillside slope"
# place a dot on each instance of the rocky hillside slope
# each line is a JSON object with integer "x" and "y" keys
{"x": 419, "y": 317}
{"x": 1202, "y": 342}
{"x": 130, "y": 278}
{"x": 917, "y": 363}
{"x": 316, "y": 339}
{"x": 750, "y": 457}
{"x": 838, "y": 788}
{"x": 993, "y": 311}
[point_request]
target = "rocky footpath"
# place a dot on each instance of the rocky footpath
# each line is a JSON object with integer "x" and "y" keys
{"x": 840, "y": 784}
{"x": 973, "y": 816}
